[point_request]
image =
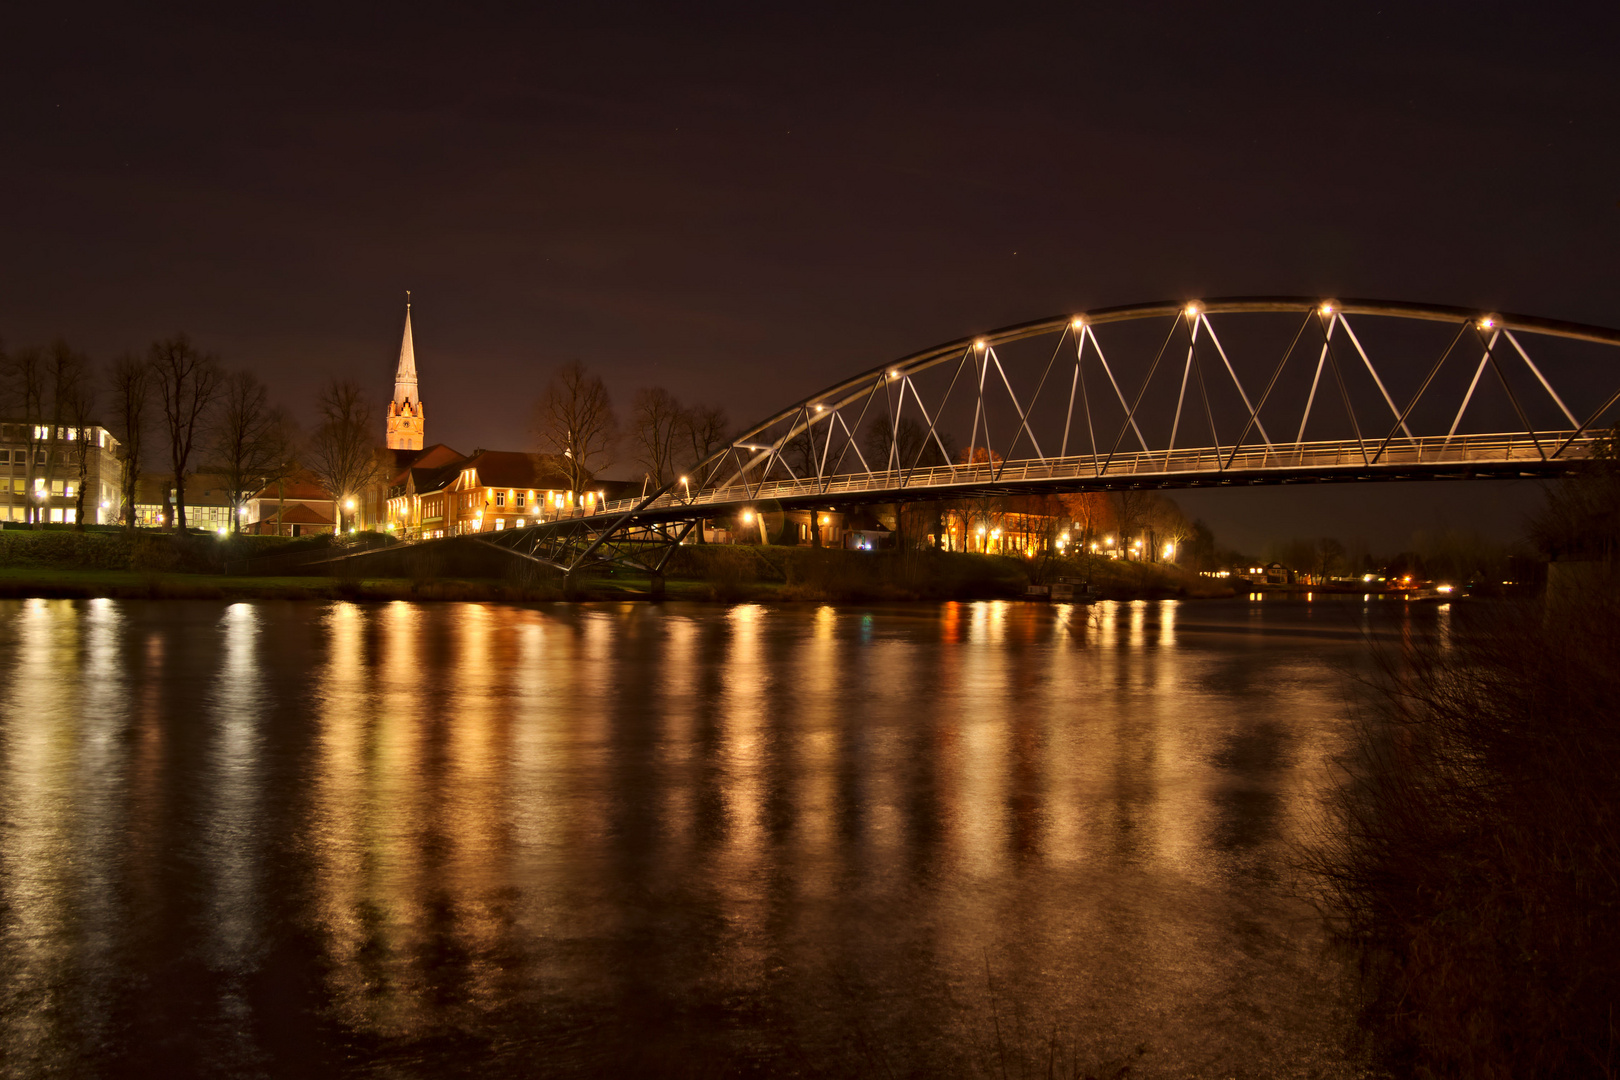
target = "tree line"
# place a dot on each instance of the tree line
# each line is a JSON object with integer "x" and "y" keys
{"x": 178, "y": 410}
{"x": 574, "y": 420}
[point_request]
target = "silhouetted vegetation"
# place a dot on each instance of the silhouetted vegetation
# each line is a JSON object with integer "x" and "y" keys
{"x": 1472, "y": 855}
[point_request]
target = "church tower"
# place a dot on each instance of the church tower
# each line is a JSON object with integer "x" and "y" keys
{"x": 405, "y": 411}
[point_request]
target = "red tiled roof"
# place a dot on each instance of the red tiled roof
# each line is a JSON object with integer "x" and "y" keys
{"x": 299, "y": 514}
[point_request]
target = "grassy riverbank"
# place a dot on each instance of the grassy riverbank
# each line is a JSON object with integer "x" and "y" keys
{"x": 59, "y": 563}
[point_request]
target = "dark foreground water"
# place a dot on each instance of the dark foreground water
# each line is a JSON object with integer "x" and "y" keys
{"x": 279, "y": 839}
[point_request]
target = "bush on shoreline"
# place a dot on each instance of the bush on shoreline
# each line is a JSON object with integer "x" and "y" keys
{"x": 1471, "y": 855}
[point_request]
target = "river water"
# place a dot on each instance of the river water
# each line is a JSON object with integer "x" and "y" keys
{"x": 975, "y": 839}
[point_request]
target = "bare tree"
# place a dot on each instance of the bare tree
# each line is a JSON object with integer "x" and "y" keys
{"x": 1130, "y": 512}
{"x": 79, "y": 409}
{"x": 130, "y": 383}
{"x": 342, "y": 451}
{"x": 574, "y": 420}
{"x": 65, "y": 373}
{"x": 187, "y": 383}
{"x": 27, "y": 395}
{"x": 706, "y": 430}
{"x": 249, "y": 441}
{"x": 656, "y": 420}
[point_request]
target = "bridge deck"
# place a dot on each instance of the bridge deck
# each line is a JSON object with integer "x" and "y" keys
{"x": 1478, "y": 455}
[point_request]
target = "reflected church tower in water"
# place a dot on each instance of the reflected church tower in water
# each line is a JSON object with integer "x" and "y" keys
{"x": 405, "y": 421}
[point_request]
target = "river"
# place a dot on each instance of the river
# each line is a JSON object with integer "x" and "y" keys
{"x": 975, "y": 839}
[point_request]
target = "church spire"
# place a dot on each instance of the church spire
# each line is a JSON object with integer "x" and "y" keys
{"x": 405, "y": 419}
{"x": 405, "y": 378}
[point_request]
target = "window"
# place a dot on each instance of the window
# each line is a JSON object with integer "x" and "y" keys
{"x": 5, "y": 456}
{"x": 500, "y": 498}
{"x": 520, "y": 499}
{"x": 500, "y": 523}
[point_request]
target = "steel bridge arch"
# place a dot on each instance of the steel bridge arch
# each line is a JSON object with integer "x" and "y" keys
{"x": 753, "y": 468}
{"x": 849, "y": 391}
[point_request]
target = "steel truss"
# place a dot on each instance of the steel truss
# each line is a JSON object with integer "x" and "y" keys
{"x": 1123, "y": 416}
{"x": 595, "y": 541}
{"x": 812, "y": 448}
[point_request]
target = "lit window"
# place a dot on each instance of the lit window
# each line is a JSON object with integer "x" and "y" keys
{"x": 520, "y": 499}
{"x": 500, "y": 498}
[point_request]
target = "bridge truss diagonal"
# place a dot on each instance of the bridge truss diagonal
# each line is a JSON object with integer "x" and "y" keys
{"x": 1245, "y": 390}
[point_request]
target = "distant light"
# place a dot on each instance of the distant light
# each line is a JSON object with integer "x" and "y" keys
{"x": 1327, "y": 309}
{"x": 1443, "y": 588}
{"x": 1486, "y": 323}
{"x": 348, "y": 504}
{"x": 222, "y": 530}
{"x": 748, "y": 516}
{"x": 979, "y": 344}
{"x": 683, "y": 479}
{"x": 819, "y": 408}
{"x": 1192, "y": 310}
{"x": 1077, "y": 322}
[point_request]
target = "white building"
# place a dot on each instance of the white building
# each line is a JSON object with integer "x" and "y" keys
{"x": 50, "y": 483}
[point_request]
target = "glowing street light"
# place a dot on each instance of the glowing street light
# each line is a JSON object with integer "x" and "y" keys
{"x": 1077, "y": 322}
{"x": 748, "y": 517}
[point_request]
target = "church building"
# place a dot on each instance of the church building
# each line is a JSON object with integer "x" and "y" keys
{"x": 434, "y": 491}
{"x": 405, "y": 428}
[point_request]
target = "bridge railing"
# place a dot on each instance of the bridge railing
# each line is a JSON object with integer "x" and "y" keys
{"x": 1279, "y": 457}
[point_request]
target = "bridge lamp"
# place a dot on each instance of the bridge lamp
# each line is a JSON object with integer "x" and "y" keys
{"x": 819, "y": 408}
{"x": 1077, "y": 322}
{"x": 748, "y": 517}
{"x": 1327, "y": 309}
{"x": 1192, "y": 311}
{"x": 1486, "y": 323}
{"x": 979, "y": 344}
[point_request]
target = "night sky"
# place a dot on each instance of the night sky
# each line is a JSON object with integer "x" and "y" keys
{"x": 746, "y": 202}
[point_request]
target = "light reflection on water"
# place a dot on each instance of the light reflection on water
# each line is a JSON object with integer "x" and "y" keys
{"x": 260, "y": 839}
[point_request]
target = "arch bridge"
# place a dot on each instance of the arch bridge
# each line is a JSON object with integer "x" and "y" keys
{"x": 1234, "y": 391}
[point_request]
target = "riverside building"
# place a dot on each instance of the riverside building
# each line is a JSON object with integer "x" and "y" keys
{"x": 49, "y": 483}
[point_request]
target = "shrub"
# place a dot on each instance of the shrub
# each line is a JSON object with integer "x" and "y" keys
{"x": 1471, "y": 855}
